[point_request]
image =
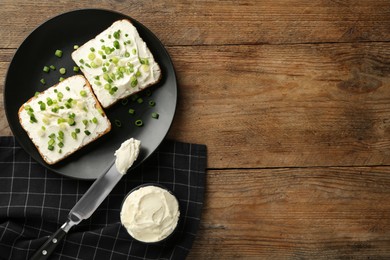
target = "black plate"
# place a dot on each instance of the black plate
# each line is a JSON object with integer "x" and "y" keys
{"x": 63, "y": 32}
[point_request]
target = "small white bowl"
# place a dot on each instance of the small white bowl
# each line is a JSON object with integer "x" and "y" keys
{"x": 150, "y": 213}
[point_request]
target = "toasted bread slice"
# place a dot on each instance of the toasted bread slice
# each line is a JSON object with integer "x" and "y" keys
{"x": 63, "y": 119}
{"x": 117, "y": 63}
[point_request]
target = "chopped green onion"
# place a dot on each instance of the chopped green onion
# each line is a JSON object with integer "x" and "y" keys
{"x": 58, "y": 53}
{"x": 42, "y": 106}
{"x": 140, "y": 100}
{"x": 91, "y": 56}
{"x": 92, "y": 49}
{"x": 36, "y": 93}
{"x": 125, "y": 101}
{"x": 67, "y": 88}
{"x": 74, "y": 135}
{"x": 152, "y": 103}
{"x": 81, "y": 61}
{"x": 134, "y": 51}
{"x": 131, "y": 111}
{"x": 118, "y": 123}
{"x": 116, "y": 44}
{"x": 77, "y": 130}
{"x": 60, "y": 144}
{"x": 87, "y": 132}
{"x": 76, "y": 69}
{"x": 46, "y": 69}
{"x": 75, "y": 47}
{"x": 61, "y": 79}
{"x": 85, "y": 122}
{"x": 139, "y": 122}
{"x": 43, "y": 81}
{"x": 50, "y": 147}
{"x": 83, "y": 93}
{"x": 71, "y": 121}
{"x": 155, "y": 115}
{"x": 94, "y": 120}
{"x": 62, "y": 71}
{"x": 49, "y": 101}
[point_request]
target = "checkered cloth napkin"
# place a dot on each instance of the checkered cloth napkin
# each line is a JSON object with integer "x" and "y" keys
{"x": 35, "y": 202}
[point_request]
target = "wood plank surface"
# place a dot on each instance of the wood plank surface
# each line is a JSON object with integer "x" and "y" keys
{"x": 296, "y": 213}
{"x": 292, "y": 99}
{"x": 286, "y": 105}
{"x": 189, "y": 22}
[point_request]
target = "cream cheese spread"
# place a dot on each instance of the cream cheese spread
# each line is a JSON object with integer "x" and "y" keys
{"x": 63, "y": 118}
{"x": 150, "y": 214}
{"x": 126, "y": 155}
{"x": 117, "y": 63}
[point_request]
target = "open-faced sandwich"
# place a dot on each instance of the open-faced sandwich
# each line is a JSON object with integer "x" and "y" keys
{"x": 63, "y": 119}
{"x": 117, "y": 63}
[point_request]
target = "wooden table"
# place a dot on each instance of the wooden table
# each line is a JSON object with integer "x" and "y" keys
{"x": 292, "y": 99}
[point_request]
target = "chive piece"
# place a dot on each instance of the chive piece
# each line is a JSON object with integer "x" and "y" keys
{"x": 116, "y": 44}
{"x": 118, "y": 123}
{"x": 148, "y": 92}
{"x": 85, "y": 122}
{"x": 152, "y": 103}
{"x": 43, "y": 106}
{"x": 77, "y": 130}
{"x": 134, "y": 51}
{"x": 36, "y": 93}
{"x": 94, "y": 120}
{"x": 50, "y": 147}
{"x": 46, "y": 69}
{"x": 125, "y": 101}
{"x": 61, "y": 144}
{"x": 71, "y": 121}
{"x": 131, "y": 111}
{"x": 49, "y": 101}
{"x": 87, "y": 132}
{"x": 43, "y": 81}
{"x": 155, "y": 115}
{"x": 83, "y": 93}
{"x": 134, "y": 82}
{"x": 74, "y": 135}
{"x": 75, "y": 47}
{"x": 58, "y": 53}
{"x": 138, "y": 122}
{"x": 81, "y": 61}
{"x": 67, "y": 88}
{"x": 92, "y": 49}
{"x": 91, "y": 56}
{"x": 61, "y": 79}
{"x": 62, "y": 71}
{"x": 140, "y": 100}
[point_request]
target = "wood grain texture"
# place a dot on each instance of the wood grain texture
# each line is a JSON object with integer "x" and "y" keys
{"x": 312, "y": 213}
{"x": 285, "y": 105}
{"x": 215, "y": 22}
{"x": 292, "y": 99}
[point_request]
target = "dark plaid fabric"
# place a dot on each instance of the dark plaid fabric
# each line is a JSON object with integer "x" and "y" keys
{"x": 35, "y": 202}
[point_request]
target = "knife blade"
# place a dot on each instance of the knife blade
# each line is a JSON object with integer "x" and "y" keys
{"x": 83, "y": 209}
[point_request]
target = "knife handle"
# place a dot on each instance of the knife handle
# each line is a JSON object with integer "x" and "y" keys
{"x": 49, "y": 246}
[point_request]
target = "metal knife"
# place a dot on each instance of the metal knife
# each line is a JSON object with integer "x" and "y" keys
{"x": 83, "y": 209}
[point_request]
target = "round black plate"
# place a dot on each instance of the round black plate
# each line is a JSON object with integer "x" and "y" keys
{"x": 63, "y": 32}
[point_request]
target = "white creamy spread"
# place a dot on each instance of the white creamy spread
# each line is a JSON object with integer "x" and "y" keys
{"x": 117, "y": 63}
{"x": 126, "y": 155}
{"x": 67, "y": 122}
{"x": 150, "y": 214}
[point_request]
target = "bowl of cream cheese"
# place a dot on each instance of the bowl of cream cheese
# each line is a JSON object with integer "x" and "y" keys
{"x": 150, "y": 213}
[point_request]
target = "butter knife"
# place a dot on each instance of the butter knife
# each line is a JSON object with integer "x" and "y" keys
{"x": 83, "y": 209}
